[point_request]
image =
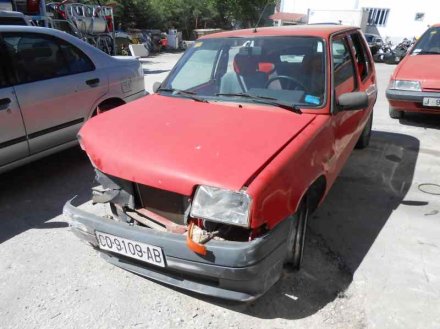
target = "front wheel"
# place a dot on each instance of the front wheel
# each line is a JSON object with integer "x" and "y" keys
{"x": 297, "y": 234}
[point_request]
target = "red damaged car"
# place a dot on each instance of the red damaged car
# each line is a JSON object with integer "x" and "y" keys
{"x": 210, "y": 181}
{"x": 415, "y": 83}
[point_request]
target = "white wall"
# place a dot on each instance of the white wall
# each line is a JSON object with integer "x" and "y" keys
{"x": 301, "y": 6}
{"x": 401, "y": 20}
{"x": 352, "y": 17}
{"x": 400, "y": 24}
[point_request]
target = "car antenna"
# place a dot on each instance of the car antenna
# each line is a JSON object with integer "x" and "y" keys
{"x": 261, "y": 16}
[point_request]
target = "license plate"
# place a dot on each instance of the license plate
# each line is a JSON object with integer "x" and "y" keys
{"x": 141, "y": 251}
{"x": 431, "y": 101}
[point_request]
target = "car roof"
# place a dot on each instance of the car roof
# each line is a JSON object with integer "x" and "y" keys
{"x": 323, "y": 31}
{"x": 25, "y": 28}
{"x": 37, "y": 29}
{"x": 8, "y": 13}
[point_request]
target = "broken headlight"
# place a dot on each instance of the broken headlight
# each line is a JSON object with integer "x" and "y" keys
{"x": 222, "y": 206}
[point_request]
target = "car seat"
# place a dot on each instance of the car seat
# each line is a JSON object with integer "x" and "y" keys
{"x": 245, "y": 76}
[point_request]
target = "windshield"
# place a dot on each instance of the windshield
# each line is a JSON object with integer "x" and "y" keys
{"x": 286, "y": 69}
{"x": 429, "y": 43}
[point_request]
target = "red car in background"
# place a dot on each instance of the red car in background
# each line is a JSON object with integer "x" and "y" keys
{"x": 211, "y": 180}
{"x": 415, "y": 83}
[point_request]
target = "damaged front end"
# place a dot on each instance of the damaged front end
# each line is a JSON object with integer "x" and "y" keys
{"x": 206, "y": 217}
{"x": 196, "y": 243}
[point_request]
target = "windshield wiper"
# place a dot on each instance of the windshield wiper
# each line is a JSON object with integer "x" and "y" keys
{"x": 185, "y": 93}
{"x": 265, "y": 100}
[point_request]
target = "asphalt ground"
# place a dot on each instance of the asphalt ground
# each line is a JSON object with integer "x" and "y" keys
{"x": 371, "y": 258}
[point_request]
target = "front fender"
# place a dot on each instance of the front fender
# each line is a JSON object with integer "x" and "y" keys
{"x": 278, "y": 190}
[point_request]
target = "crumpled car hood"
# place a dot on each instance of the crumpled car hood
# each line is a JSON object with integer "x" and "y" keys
{"x": 176, "y": 144}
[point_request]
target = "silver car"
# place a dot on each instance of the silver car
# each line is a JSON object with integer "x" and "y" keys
{"x": 50, "y": 84}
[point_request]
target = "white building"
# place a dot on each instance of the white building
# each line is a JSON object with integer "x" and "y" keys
{"x": 391, "y": 19}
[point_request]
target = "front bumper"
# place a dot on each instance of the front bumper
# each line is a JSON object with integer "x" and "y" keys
{"x": 240, "y": 271}
{"x": 411, "y": 101}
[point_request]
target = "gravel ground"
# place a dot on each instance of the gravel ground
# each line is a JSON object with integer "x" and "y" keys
{"x": 371, "y": 258}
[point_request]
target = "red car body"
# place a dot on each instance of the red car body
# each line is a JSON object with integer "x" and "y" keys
{"x": 419, "y": 66}
{"x": 276, "y": 156}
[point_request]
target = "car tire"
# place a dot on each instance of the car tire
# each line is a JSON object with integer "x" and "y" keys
{"x": 364, "y": 138}
{"x": 296, "y": 238}
{"x": 394, "y": 114}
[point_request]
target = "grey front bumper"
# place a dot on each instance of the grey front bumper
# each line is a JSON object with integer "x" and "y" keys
{"x": 409, "y": 96}
{"x": 239, "y": 271}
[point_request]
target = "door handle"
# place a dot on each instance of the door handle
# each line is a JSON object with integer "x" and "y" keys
{"x": 92, "y": 82}
{"x": 4, "y": 103}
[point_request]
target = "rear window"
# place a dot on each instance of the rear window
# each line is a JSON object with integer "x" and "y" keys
{"x": 12, "y": 21}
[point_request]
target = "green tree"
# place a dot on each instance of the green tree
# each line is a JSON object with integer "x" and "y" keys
{"x": 245, "y": 13}
{"x": 187, "y": 15}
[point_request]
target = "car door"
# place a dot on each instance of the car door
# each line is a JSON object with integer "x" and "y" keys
{"x": 57, "y": 87}
{"x": 13, "y": 140}
{"x": 365, "y": 69}
{"x": 346, "y": 124}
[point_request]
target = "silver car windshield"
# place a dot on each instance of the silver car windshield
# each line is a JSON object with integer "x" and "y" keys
{"x": 285, "y": 69}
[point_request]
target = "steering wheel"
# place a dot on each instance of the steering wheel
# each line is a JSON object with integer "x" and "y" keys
{"x": 290, "y": 79}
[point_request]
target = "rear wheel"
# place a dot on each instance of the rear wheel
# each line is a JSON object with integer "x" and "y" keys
{"x": 395, "y": 114}
{"x": 295, "y": 243}
{"x": 364, "y": 138}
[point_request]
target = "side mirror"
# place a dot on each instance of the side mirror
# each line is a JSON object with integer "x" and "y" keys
{"x": 353, "y": 101}
{"x": 156, "y": 86}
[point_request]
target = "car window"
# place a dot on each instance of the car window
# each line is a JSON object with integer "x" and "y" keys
{"x": 362, "y": 59}
{"x": 429, "y": 43}
{"x": 289, "y": 69}
{"x": 39, "y": 57}
{"x": 12, "y": 21}
{"x": 3, "y": 69}
{"x": 78, "y": 62}
{"x": 3, "y": 76}
{"x": 343, "y": 67}
{"x": 198, "y": 71}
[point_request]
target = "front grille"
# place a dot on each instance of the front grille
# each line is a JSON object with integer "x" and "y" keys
{"x": 167, "y": 204}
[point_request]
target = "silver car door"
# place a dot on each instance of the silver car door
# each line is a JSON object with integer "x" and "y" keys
{"x": 13, "y": 141}
{"x": 56, "y": 94}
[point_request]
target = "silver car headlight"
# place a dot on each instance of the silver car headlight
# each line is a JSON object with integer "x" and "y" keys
{"x": 220, "y": 205}
{"x": 408, "y": 85}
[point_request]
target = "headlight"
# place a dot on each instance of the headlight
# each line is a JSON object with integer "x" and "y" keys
{"x": 405, "y": 85}
{"x": 221, "y": 206}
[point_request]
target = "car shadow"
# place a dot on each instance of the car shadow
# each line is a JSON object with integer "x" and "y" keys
{"x": 33, "y": 194}
{"x": 340, "y": 233}
{"x": 421, "y": 120}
